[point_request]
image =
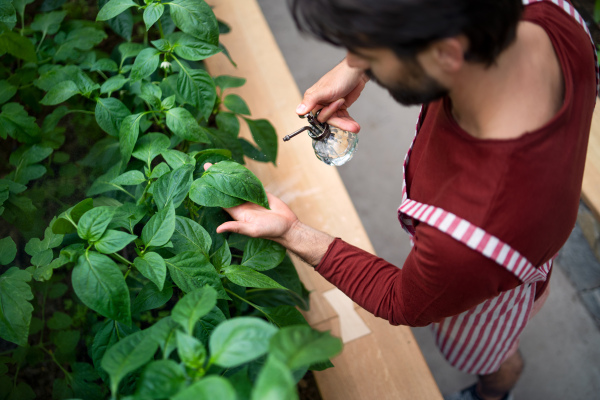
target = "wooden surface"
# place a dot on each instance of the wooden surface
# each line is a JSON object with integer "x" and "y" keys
{"x": 378, "y": 359}
{"x": 591, "y": 177}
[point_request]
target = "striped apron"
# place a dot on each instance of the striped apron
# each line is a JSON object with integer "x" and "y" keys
{"x": 479, "y": 340}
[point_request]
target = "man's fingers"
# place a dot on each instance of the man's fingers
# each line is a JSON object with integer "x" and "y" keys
{"x": 330, "y": 110}
{"x": 230, "y": 226}
{"x": 207, "y": 166}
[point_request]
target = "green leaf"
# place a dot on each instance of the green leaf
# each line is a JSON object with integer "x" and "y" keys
{"x": 265, "y": 137}
{"x": 274, "y": 382}
{"x": 252, "y": 152}
{"x": 197, "y": 88}
{"x": 15, "y": 309}
{"x": 191, "y": 271}
{"x": 78, "y": 40}
{"x": 8, "y": 15}
{"x": 60, "y": 320}
{"x": 190, "y": 236}
{"x": 192, "y": 49}
{"x": 168, "y": 102}
{"x": 208, "y": 323}
{"x": 128, "y": 135}
{"x": 150, "y": 297}
{"x": 153, "y": 267}
{"x": 7, "y": 91}
{"x": 196, "y": 18}
{"x": 162, "y": 44}
{"x": 240, "y": 340}
{"x": 113, "y": 84}
{"x": 133, "y": 177}
{"x": 262, "y": 254}
{"x": 149, "y": 146}
{"x": 228, "y": 122}
{"x": 18, "y": 46}
{"x": 109, "y": 334}
{"x": 236, "y": 104}
{"x": 233, "y": 179}
{"x": 113, "y": 241}
{"x": 161, "y": 380}
{"x": 8, "y": 250}
{"x": 105, "y": 64}
{"x": 247, "y": 277}
{"x": 164, "y": 332}
{"x": 152, "y": 13}
{"x": 285, "y": 315}
{"x": 16, "y": 123}
{"x": 48, "y": 23}
{"x": 100, "y": 285}
{"x": 159, "y": 171}
{"x": 301, "y": 346}
{"x": 59, "y": 93}
{"x": 114, "y": 8}
{"x": 67, "y": 221}
{"x": 110, "y": 114}
{"x": 226, "y": 81}
{"x": 129, "y": 49}
{"x": 173, "y": 187}
{"x": 194, "y": 306}
{"x": 176, "y": 158}
{"x": 151, "y": 94}
{"x": 203, "y": 194}
{"x": 22, "y": 391}
{"x": 145, "y": 64}
{"x": 93, "y": 223}
{"x": 222, "y": 257}
{"x": 209, "y": 388}
{"x": 128, "y": 355}
{"x": 181, "y": 122}
{"x": 190, "y": 350}
{"x": 159, "y": 229}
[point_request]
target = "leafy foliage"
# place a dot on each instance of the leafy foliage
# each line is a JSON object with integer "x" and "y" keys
{"x": 113, "y": 280}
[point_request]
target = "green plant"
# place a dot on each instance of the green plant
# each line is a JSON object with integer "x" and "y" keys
{"x": 130, "y": 291}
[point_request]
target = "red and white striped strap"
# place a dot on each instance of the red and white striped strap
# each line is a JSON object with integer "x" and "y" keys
{"x": 476, "y": 239}
{"x": 569, "y": 9}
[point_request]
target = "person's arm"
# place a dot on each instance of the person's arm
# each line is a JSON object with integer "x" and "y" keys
{"x": 333, "y": 94}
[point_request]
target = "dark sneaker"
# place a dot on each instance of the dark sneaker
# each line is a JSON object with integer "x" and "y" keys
{"x": 471, "y": 394}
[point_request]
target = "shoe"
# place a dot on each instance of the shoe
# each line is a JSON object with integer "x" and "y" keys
{"x": 471, "y": 394}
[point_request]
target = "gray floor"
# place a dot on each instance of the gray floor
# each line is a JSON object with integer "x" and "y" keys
{"x": 561, "y": 345}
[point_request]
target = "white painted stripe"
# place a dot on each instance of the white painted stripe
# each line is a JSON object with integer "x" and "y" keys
{"x": 519, "y": 268}
{"x": 513, "y": 260}
{"x": 490, "y": 246}
{"x": 478, "y": 234}
{"x": 434, "y": 217}
{"x": 503, "y": 254}
{"x": 447, "y": 222}
{"x": 461, "y": 229}
{"x": 427, "y": 212}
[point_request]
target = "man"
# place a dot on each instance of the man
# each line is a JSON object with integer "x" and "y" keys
{"x": 493, "y": 178}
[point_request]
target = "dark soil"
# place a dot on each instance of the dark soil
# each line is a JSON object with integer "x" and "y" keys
{"x": 307, "y": 388}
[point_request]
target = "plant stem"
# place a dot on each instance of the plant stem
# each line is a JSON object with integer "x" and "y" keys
{"x": 160, "y": 29}
{"x": 102, "y": 74}
{"x": 250, "y": 303}
{"x": 41, "y": 41}
{"x": 81, "y": 111}
{"x": 43, "y": 314}
{"x": 51, "y": 354}
{"x": 122, "y": 259}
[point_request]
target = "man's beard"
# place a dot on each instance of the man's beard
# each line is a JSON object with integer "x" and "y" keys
{"x": 429, "y": 89}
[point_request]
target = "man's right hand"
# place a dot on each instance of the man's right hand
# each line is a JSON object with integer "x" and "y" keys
{"x": 333, "y": 94}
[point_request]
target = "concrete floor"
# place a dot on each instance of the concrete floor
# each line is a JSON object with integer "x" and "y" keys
{"x": 561, "y": 345}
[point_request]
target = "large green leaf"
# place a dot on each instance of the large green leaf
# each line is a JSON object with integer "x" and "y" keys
{"x": 130, "y": 178}
{"x": 208, "y": 323}
{"x": 247, "y": 277}
{"x": 112, "y": 84}
{"x": 236, "y": 104}
{"x": 235, "y": 180}
{"x": 8, "y": 14}
{"x": 190, "y": 48}
{"x": 164, "y": 332}
{"x": 181, "y": 122}
{"x": 240, "y": 340}
{"x": 210, "y": 388}
{"x": 149, "y": 146}
{"x": 197, "y": 87}
{"x": 145, "y": 64}
{"x": 262, "y": 254}
{"x": 18, "y": 46}
{"x": 8, "y": 250}
{"x": 128, "y": 135}
{"x": 265, "y": 137}
{"x": 16, "y": 123}
{"x": 113, "y": 241}
{"x": 93, "y": 223}
{"x": 7, "y": 91}
{"x": 222, "y": 257}
{"x": 100, "y": 285}
{"x": 301, "y": 346}
{"x": 229, "y": 123}
{"x": 190, "y": 236}
{"x": 191, "y": 351}
{"x": 160, "y": 380}
{"x": 110, "y": 113}
{"x": 59, "y": 93}
{"x": 152, "y": 13}
{"x": 78, "y": 40}
{"x": 227, "y": 81}
{"x": 176, "y": 158}
{"x": 275, "y": 382}
{"x": 173, "y": 187}
{"x": 159, "y": 229}
{"x": 67, "y": 221}
{"x": 48, "y": 23}
{"x": 15, "y": 309}
{"x": 150, "y": 297}
{"x": 128, "y": 355}
{"x": 114, "y": 8}
{"x": 203, "y": 194}
{"x": 109, "y": 333}
{"x": 285, "y": 315}
{"x": 191, "y": 271}
{"x": 153, "y": 267}
{"x": 196, "y": 18}
{"x": 194, "y": 306}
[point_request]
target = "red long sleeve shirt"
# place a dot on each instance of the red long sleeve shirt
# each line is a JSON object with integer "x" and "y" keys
{"x": 524, "y": 191}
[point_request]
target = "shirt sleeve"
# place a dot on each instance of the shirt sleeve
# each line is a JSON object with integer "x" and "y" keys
{"x": 440, "y": 278}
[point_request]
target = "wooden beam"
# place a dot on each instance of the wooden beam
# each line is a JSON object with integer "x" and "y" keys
{"x": 379, "y": 360}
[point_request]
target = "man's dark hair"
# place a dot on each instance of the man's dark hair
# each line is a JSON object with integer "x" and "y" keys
{"x": 409, "y": 26}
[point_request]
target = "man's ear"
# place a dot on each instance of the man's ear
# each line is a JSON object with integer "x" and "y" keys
{"x": 449, "y": 53}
